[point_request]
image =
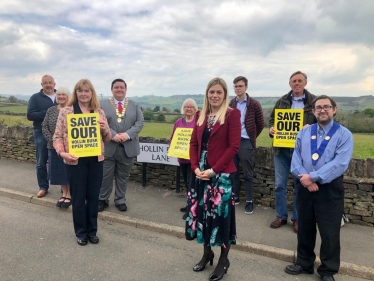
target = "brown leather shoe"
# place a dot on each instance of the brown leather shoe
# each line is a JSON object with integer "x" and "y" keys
{"x": 41, "y": 193}
{"x": 295, "y": 226}
{"x": 278, "y": 223}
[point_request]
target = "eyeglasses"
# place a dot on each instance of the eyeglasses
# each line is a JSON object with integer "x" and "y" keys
{"x": 238, "y": 86}
{"x": 189, "y": 107}
{"x": 297, "y": 81}
{"x": 325, "y": 108}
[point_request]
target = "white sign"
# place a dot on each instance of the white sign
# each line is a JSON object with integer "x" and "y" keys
{"x": 155, "y": 153}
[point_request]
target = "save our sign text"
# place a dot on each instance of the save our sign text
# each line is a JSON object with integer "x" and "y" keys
{"x": 287, "y": 124}
{"x": 289, "y": 121}
{"x": 84, "y": 132}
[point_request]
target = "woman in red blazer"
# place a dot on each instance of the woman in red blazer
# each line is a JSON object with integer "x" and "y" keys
{"x": 214, "y": 142}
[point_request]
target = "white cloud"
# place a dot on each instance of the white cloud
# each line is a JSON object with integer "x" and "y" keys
{"x": 176, "y": 47}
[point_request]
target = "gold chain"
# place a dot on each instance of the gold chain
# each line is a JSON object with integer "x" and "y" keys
{"x": 119, "y": 115}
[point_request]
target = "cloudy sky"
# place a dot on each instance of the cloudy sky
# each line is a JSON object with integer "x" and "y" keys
{"x": 175, "y": 47}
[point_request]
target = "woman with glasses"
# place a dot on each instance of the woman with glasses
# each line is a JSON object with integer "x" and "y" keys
{"x": 189, "y": 109}
{"x": 214, "y": 142}
{"x": 56, "y": 168}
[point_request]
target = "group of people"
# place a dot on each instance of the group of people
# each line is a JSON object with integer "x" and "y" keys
{"x": 223, "y": 139}
{"x": 86, "y": 182}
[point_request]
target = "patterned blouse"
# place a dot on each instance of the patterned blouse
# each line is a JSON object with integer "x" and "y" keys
{"x": 49, "y": 125}
{"x": 60, "y": 137}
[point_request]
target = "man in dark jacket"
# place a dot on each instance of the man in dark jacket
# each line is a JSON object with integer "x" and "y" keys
{"x": 36, "y": 110}
{"x": 297, "y": 98}
{"x": 252, "y": 124}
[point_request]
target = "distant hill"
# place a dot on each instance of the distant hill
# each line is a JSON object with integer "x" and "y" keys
{"x": 20, "y": 97}
{"x": 173, "y": 102}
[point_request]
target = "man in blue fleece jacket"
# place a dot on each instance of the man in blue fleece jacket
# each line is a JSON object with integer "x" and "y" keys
{"x": 36, "y": 110}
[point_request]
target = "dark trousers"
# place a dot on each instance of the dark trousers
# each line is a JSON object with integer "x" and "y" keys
{"x": 85, "y": 181}
{"x": 324, "y": 208}
{"x": 245, "y": 158}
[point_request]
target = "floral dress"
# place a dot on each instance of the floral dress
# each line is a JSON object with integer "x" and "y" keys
{"x": 210, "y": 205}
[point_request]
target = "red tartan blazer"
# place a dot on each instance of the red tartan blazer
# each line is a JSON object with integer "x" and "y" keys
{"x": 223, "y": 143}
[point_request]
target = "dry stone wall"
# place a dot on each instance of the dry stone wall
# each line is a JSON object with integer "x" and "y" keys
{"x": 17, "y": 143}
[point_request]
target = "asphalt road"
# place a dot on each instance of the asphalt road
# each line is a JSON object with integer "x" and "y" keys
{"x": 38, "y": 243}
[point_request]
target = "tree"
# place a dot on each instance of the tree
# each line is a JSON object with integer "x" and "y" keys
{"x": 160, "y": 117}
{"x": 165, "y": 109}
{"x": 148, "y": 115}
{"x": 369, "y": 112}
{"x": 177, "y": 110}
{"x": 156, "y": 109}
{"x": 12, "y": 99}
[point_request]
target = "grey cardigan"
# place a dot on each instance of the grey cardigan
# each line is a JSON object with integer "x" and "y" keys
{"x": 49, "y": 125}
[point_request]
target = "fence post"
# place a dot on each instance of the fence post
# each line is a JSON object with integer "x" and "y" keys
{"x": 178, "y": 180}
{"x": 144, "y": 174}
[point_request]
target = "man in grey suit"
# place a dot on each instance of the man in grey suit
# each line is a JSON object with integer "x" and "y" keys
{"x": 125, "y": 120}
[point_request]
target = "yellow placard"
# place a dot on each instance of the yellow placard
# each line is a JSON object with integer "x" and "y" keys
{"x": 84, "y": 134}
{"x": 180, "y": 144}
{"x": 287, "y": 124}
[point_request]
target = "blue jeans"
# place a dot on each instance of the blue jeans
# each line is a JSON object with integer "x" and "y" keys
{"x": 41, "y": 159}
{"x": 282, "y": 164}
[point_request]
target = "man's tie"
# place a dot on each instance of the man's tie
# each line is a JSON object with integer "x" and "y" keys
{"x": 120, "y": 108}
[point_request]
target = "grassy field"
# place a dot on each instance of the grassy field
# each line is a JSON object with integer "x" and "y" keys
{"x": 157, "y": 130}
{"x": 363, "y": 146}
{"x": 13, "y": 107}
{"x": 363, "y": 143}
{"x": 169, "y": 117}
{"x": 16, "y": 108}
{"x": 14, "y": 120}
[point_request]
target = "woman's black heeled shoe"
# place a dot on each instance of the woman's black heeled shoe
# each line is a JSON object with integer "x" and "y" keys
{"x": 59, "y": 203}
{"x": 220, "y": 270}
{"x": 208, "y": 258}
{"x": 65, "y": 204}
